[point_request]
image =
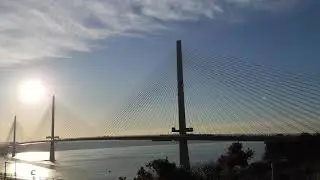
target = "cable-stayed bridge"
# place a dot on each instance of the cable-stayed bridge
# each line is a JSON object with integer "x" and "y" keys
{"x": 198, "y": 98}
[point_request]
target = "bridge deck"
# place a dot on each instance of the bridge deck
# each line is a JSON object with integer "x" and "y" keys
{"x": 201, "y": 137}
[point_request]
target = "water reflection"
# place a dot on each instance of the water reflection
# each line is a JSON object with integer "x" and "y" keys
{"x": 33, "y": 156}
{"x": 30, "y": 165}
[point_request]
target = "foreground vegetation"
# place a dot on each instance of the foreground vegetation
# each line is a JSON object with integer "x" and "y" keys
{"x": 296, "y": 160}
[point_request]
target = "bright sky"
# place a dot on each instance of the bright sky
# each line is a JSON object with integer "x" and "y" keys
{"x": 93, "y": 54}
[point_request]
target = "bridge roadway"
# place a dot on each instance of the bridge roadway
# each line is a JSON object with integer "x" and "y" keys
{"x": 177, "y": 137}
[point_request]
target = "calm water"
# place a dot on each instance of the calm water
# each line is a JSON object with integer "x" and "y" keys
{"x": 111, "y": 162}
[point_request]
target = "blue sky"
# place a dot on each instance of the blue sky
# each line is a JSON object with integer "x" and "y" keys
{"x": 95, "y": 54}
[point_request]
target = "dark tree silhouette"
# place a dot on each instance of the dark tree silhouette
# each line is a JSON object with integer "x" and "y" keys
{"x": 304, "y": 149}
{"x": 162, "y": 169}
{"x": 236, "y": 156}
{"x": 299, "y": 156}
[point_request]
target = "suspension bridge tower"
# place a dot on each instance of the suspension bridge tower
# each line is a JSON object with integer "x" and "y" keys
{"x": 183, "y": 144}
{"x": 52, "y": 137}
{"x": 14, "y": 149}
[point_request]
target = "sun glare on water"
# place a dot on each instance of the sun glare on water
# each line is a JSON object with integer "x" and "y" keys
{"x": 31, "y": 91}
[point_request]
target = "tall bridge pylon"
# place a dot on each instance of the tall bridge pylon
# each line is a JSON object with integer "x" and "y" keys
{"x": 14, "y": 149}
{"x": 52, "y": 138}
{"x": 183, "y": 144}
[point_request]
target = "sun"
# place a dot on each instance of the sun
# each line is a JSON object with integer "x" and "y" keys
{"x": 31, "y": 91}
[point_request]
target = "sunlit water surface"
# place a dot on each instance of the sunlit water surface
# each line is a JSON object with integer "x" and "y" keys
{"x": 108, "y": 163}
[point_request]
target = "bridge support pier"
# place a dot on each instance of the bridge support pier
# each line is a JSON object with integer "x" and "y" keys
{"x": 52, "y": 153}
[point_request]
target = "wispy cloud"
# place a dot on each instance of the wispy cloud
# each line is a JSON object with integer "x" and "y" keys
{"x": 38, "y": 29}
{"x": 268, "y": 5}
